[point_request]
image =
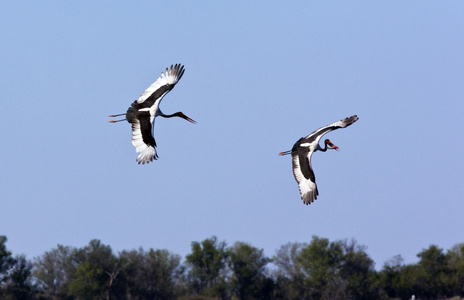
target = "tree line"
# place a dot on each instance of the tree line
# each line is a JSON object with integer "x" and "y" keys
{"x": 320, "y": 269}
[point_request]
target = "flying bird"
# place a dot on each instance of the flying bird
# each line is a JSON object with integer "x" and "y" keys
{"x": 142, "y": 113}
{"x": 301, "y": 157}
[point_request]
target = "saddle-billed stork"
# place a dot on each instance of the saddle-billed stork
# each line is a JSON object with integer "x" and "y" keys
{"x": 142, "y": 113}
{"x": 301, "y": 157}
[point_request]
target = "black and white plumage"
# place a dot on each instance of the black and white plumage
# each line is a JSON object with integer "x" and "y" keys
{"x": 301, "y": 157}
{"x": 142, "y": 113}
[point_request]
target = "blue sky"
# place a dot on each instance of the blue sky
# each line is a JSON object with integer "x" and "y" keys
{"x": 259, "y": 76}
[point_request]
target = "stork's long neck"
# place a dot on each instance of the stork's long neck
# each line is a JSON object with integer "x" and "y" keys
{"x": 319, "y": 148}
{"x": 177, "y": 114}
{"x": 161, "y": 114}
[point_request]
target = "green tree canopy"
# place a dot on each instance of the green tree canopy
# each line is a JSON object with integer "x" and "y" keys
{"x": 248, "y": 266}
{"x": 18, "y": 284}
{"x": 456, "y": 264}
{"x": 288, "y": 274}
{"x": 54, "y": 270}
{"x": 6, "y": 259}
{"x": 96, "y": 272}
{"x": 433, "y": 273}
{"x": 321, "y": 269}
{"x": 152, "y": 274}
{"x": 207, "y": 262}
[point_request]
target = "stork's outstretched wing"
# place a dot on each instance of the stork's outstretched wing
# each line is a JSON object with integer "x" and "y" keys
{"x": 317, "y": 134}
{"x": 158, "y": 89}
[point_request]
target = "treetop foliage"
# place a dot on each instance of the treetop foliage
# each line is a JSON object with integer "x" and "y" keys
{"x": 320, "y": 269}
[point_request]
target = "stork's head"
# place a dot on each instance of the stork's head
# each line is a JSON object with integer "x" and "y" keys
{"x": 331, "y": 146}
{"x": 183, "y": 116}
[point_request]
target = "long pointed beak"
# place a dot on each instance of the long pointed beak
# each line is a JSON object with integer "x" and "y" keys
{"x": 332, "y": 146}
{"x": 190, "y": 120}
{"x": 285, "y": 152}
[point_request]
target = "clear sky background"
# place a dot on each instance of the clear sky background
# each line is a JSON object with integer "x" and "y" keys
{"x": 259, "y": 75}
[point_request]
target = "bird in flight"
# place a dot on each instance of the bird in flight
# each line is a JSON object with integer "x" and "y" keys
{"x": 301, "y": 157}
{"x": 142, "y": 113}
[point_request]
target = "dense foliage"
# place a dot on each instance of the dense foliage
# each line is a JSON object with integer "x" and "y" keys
{"x": 319, "y": 270}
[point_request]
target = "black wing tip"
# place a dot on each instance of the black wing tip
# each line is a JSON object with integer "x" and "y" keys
{"x": 181, "y": 72}
{"x": 177, "y": 70}
{"x": 350, "y": 120}
{"x": 353, "y": 118}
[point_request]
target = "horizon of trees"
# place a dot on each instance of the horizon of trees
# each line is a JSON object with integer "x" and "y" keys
{"x": 320, "y": 269}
